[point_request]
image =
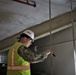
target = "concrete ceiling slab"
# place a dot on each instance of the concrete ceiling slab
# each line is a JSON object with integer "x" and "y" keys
{"x": 15, "y": 17}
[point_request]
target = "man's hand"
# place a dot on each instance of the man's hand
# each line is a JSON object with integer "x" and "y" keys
{"x": 48, "y": 51}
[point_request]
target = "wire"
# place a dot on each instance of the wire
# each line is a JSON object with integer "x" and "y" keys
{"x": 50, "y": 33}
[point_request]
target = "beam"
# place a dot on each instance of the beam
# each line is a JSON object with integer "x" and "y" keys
{"x": 57, "y": 22}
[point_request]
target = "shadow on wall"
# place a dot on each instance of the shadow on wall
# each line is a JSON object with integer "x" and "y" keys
{"x": 3, "y": 69}
{"x": 38, "y": 73}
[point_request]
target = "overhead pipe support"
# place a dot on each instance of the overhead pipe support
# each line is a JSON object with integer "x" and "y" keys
{"x": 31, "y": 3}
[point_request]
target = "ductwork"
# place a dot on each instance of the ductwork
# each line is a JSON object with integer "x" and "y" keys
{"x": 41, "y": 30}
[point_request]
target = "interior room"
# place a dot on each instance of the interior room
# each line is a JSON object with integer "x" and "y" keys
{"x": 54, "y": 25}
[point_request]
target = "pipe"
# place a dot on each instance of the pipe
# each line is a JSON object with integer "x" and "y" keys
{"x": 31, "y": 3}
{"x": 73, "y": 33}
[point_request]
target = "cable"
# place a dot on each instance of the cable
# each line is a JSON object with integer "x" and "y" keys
{"x": 50, "y": 32}
{"x": 72, "y": 20}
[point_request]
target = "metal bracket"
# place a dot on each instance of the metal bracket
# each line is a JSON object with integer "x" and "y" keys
{"x": 27, "y": 2}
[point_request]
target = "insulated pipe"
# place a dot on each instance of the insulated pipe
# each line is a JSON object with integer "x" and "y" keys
{"x": 31, "y": 3}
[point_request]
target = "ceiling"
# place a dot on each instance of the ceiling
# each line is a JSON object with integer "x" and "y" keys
{"x": 15, "y": 16}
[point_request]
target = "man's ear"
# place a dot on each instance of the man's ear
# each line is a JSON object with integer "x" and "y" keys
{"x": 24, "y": 38}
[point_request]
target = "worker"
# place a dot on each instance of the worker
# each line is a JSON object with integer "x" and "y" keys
{"x": 20, "y": 56}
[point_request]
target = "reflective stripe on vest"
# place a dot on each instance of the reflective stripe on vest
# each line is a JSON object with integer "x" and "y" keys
{"x": 18, "y": 67}
{"x": 12, "y": 66}
{"x": 12, "y": 57}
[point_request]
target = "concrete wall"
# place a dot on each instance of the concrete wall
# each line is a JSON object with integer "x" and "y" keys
{"x": 62, "y": 46}
{"x": 3, "y": 57}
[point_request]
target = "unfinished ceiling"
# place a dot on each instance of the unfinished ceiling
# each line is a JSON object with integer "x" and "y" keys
{"x": 16, "y": 17}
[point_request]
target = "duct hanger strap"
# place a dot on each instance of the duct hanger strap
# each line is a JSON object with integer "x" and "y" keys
{"x": 27, "y": 2}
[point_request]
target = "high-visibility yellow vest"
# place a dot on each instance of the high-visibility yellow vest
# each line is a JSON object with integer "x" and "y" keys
{"x": 16, "y": 64}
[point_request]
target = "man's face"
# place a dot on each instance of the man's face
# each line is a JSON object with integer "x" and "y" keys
{"x": 27, "y": 41}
